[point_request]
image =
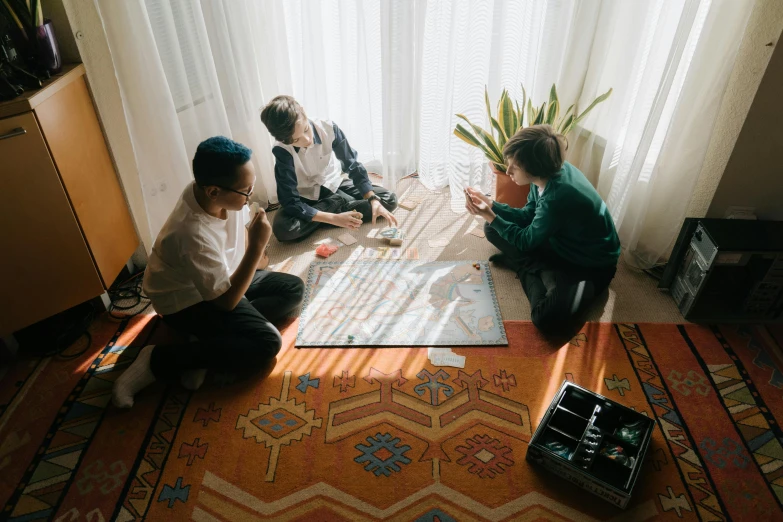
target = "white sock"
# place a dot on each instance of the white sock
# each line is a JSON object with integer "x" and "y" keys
{"x": 193, "y": 379}
{"x": 135, "y": 378}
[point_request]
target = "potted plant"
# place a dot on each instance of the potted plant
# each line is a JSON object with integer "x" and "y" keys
{"x": 510, "y": 118}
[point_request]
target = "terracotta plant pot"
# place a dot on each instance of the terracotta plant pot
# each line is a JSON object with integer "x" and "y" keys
{"x": 508, "y": 192}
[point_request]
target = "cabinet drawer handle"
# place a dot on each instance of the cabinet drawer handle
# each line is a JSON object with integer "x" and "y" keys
{"x": 15, "y": 132}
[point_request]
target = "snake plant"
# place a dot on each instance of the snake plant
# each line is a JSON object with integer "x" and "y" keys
{"x": 511, "y": 117}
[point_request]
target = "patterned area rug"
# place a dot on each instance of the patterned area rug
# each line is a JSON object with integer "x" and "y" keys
{"x": 342, "y": 434}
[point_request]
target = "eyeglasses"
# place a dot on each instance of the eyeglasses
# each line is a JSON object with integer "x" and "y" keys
{"x": 246, "y": 194}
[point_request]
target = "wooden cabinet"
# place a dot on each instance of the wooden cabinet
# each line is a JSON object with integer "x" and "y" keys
{"x": 65, "y": 228}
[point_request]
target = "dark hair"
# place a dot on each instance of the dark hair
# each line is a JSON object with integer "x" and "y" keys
{"x": 280, "y": 116}
{"x": 216, "y": 161}
{"x": 538, "y": 149}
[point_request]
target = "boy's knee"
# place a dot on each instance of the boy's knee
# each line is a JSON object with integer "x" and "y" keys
{"x": 286, "y": 228}
{"x": 490, "y": 233}
{"x": 297, "y": 290}
{"x": 266, "y": 342}
{"x": 548, "y": 322}
{"x": 389, "y": 201}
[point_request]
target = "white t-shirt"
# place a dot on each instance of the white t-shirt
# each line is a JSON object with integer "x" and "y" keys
{"x": 194, "y": 255}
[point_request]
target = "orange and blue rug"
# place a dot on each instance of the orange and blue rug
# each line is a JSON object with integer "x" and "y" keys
{"x": 363, "y": 434}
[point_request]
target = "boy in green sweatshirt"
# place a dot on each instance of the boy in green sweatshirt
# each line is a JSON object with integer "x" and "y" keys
{"x": 563, "y": 243}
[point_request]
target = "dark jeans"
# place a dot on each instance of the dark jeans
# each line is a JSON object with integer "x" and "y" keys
{"x": 347, "y": 197}
{"x": 242, "y": 340}
{"x": 571, "y": 287}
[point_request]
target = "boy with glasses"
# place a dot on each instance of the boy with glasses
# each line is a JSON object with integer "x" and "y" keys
{"x": 204, "y": 278}
{"x": 310, "y": 158}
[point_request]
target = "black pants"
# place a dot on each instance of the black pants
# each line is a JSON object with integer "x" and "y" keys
{"x": 242, "y": 340}
{"x": 571, "y": 287}
{"x": 347, "y": 197}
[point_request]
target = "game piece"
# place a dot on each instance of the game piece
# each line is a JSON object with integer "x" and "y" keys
{"x": 477, "y": 266}
{"x": 347, "y": 239}
{"x": 325, "y": 250}
{"x": 558, "y": 448}
{"x": 617, "y": 454}
{"x": 351, "y": 338}
{"x": 438, "y": 242}
{"x": 630, "y": 431}
{"x": 393, "y": 235}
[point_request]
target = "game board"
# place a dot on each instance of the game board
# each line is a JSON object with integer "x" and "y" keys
{"x": 400, "y": 303}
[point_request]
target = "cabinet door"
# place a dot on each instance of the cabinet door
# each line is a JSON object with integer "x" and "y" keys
{"x": 79, "y": 151}
{"x": 45, "y": 266}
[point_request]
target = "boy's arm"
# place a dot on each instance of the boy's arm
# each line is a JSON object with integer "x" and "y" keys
{"x": 519, "y": 216}
{"x": 350, "y": 164}
{"x": 543, "y": 225}
{"x": 258, "y": 238}
{"x": 288, "y": 195}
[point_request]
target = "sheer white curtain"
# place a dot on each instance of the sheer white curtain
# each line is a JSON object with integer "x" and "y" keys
{"x": 668, "y": 62}
{"x": 393, "y": 74}
{"x": 188, "y": 70}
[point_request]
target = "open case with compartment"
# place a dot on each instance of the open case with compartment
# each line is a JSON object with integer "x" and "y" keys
{"x": 592, "y": 441}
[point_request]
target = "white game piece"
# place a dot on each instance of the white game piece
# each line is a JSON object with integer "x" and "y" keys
{"x": 347, "y": 239}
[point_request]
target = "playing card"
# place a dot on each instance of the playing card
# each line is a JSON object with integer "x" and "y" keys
{"x": 347, "y": 239}
{"x": 452, "y": 359}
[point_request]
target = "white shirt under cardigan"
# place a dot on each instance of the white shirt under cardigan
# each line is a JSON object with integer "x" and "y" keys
{"x": 316, "y": 165}
{"x": 194, "y": 255}
{"x": 301, "y": 172}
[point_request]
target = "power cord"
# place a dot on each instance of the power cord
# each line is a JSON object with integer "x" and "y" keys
{"x": 126, "y": 297}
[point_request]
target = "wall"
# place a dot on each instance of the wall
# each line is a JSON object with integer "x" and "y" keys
{"x": 764, "y": 27}
{"x": 754, "y": 174}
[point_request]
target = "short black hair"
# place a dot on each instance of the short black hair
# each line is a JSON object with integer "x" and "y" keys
{"x": 280, "y": 116}
{"x": 216, "y": 161}
{"x": 538, "y": 149}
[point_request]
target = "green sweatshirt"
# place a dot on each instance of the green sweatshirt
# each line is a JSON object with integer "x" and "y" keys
{"x": 569, "y": 214}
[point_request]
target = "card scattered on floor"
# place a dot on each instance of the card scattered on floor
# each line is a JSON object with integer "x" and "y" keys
{"x": 445, "y": 357}
{"x": 438, "y": 242}
{"x": 400, "y": 303}
{"x": 410, "y": 203}
{"x": 347, "y": 239}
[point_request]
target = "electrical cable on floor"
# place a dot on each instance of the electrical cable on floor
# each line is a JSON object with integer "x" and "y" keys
{"x": 126, "y": 297}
